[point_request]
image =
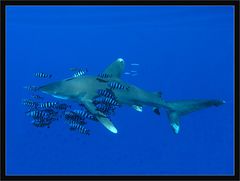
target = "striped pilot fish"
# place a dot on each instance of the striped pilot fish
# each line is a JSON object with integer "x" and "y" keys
{"x": 78, "y": 127}
{"x": 62, "y": 106}
{"x": 41, "y": 118}
{"x": 51, "y": 112}
{"x": 29, "y": 103}
{"x": 37, "y": 97}
{"x": 104, "y": 75}
{"x": 42, "y": 75}
{"x": 80, "y": 73}
{"x": 38, "y": 114}
{"x": 116, "y": 85}
{"x": 70, "y": 118}
{"x": 83, "y": 114}
{"x": 41, "y": 122}
{"x": 31, "y": 88}
{"x": 106, "y": 93}
{"x": 70, "y": 115}
{"x": 106, "y": 109}
{"x": 106, "y": 100}
{"x": 48, "y": 104}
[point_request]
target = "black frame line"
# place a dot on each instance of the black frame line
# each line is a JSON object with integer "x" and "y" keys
{"x": 119, "y": 2}
{"x": 124, "y": 2}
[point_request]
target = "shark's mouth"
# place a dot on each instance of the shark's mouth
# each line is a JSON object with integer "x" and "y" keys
{"x": 61, "y": 97}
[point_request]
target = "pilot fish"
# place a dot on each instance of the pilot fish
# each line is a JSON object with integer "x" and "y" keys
{"x": 116, "y": 85}
{"x": 42, "y": 75}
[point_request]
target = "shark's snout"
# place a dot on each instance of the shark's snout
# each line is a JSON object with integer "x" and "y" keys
{"x": 43, "y": 89}
{"x": 56, "y": 90}
{"x": 49, "y": 88}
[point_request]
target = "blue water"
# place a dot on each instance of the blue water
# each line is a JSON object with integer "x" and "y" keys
{"x": 184, "y": 52}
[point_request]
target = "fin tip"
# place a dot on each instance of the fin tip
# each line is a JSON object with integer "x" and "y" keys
{"x": 176, "y": 128}
{"x": 120, "y": 60}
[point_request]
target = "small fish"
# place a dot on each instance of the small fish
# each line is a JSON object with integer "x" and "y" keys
{"x": 51, "y": 112}
{"x": 106, "y": 109}
{"x": 80, "y": 73}
{"x": 127, "y": 73}
{"x": 48, "y": 104}
{"x": 75, "y": 121}
{"x": 116, "y": 85}
{"x": 31, "y": 88}
{"x": 104, "y": 76}
{"x": 37, "y": 97}
{"x": 41, "y": 118}
{"x": 111, "y": 101}
{"x": 134, "y": 64}
{"x": 70, "y": 115}
{"x": 29, "y": 103}
{"x": 106, "y": 101}
{"x": 134, "y": 74}
{"x": 62, "y": 106}
{"x": 42, "y": 75}
{"x": 37, "y": 114}
{"x": 133, "y": 71}
{"x": 106, "y": 93}
{"x": 79, "y": 127}
{"x": 83, "y": 114}
{"x": 41, "y": 122}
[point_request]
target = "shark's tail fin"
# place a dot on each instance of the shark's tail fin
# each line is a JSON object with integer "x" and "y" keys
{"x": 179, "y": 108}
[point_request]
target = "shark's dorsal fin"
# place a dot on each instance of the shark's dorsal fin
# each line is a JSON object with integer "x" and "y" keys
{"x": 115, "y": 69}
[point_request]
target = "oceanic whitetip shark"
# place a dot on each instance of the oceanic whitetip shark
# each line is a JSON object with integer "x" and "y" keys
{"x": 83, "y": 90}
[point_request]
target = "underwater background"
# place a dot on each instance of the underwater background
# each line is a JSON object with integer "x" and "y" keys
{"x": 186, "y": 52}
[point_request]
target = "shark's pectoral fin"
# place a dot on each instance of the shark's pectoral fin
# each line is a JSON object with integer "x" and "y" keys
{"x": 91, "y": 107}
{"x": 137, "y": 108}
{"x": 87, "y": 102}
{"x": 107, "y": 124}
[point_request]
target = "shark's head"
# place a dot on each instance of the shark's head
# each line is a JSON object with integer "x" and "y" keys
{"x": 55, "y": 89}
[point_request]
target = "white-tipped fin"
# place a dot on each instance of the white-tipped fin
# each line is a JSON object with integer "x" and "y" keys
{"x": 174, "y": 121}
{"x": 115, "y": 69}
{"x": 120, "y": 60}
{"x": 175, "y": 127}
{"x": 107, "y": 124}
{"x": 137, "y": 108}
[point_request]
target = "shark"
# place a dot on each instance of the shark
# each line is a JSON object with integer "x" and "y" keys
{"x": 83, "y": 90}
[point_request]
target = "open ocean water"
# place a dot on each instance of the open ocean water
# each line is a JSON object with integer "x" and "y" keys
{"x": 186, "y": 52}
